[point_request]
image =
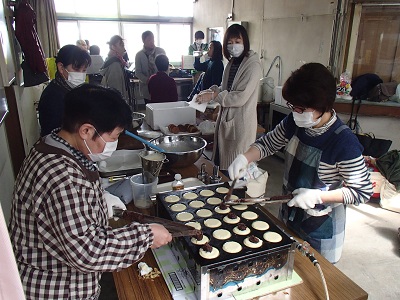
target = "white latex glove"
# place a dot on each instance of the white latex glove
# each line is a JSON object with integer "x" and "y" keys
{"x": 237, "y": 168}
{"x": 111, "y": 201}
{"x": 256, "y": 187}
{"x": 305, "y": 198}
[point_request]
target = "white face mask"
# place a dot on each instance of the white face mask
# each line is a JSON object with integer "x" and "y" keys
{"x": 76, "y": 78}
{"x": 198, "y": 42}
{"x": 305, "y": 119}
{"x": 109, "y": 149}
{"x": 235, "y": 50}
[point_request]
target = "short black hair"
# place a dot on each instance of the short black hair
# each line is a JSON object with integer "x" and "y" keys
{"x": 236, "y": 31}
{"x": 73, "y": 55}
{"x": 217, "y": 52}
{"x": 311, "y": 86}
{"x": 199, "y": 35}
{"x": 146, "y": 34}
{"x": 94, "y": 50}
{"x": 162, "y": 62}
{"x": 102, "y": 107}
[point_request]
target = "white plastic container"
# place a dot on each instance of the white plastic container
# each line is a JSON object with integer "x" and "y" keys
{"x": 278, "y": 96}
{"x": 163, "y": 114}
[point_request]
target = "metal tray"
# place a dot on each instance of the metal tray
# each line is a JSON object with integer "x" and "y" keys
{"x": 165, "y": 211}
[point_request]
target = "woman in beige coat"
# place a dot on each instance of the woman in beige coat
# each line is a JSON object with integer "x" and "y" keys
{"x": 237, "y": 122}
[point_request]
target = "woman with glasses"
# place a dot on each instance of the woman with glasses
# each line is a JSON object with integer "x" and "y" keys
{"x": 324, "y": 166}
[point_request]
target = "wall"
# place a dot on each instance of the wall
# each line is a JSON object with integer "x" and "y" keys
{"x": 26, "y": 99}
{"x": 298, "y": 31}
{"x": 6, "y": 175}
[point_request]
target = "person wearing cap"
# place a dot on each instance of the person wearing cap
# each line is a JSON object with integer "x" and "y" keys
{"x": 145, "y": 63}
{"x": 114, "y": 70}
{"x": 59, "y": 224}
{"x": 71, "y": 62}
{"x": 198, "y": 44}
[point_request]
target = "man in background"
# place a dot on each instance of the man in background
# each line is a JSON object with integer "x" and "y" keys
{"x": 145, "y": 63}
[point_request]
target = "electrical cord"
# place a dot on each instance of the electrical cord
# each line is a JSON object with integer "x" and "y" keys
{"x": 304, "y": 249}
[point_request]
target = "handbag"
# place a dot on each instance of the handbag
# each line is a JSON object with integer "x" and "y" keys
{"x": 382, "y": 91}
{"x": 372, "y": 146}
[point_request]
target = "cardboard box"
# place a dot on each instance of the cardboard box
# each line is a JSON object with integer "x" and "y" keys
{"x": 163, "y": 114}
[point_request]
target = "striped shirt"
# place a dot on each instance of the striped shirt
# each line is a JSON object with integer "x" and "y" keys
{"x": 341, "y": 159}
{"x": 232, "y": 72}
{"x": 59, "y": 227}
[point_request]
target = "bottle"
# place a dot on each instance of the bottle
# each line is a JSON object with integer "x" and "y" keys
{"x": 177, "y": 184}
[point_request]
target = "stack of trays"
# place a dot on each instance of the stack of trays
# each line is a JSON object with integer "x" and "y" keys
{"x": 245, "y": 247}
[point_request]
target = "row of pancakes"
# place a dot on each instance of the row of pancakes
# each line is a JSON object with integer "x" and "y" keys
{"x": 207, "y": 251}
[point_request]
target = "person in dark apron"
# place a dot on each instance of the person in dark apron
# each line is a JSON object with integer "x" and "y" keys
{"x": 324, "y": 166}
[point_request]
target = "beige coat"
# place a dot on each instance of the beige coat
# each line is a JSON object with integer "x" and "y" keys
{"x": 236, "y": 126}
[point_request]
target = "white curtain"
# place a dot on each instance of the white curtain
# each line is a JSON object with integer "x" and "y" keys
{"x": 46, "y": 25}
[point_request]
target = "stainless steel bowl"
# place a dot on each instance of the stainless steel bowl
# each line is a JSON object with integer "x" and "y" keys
{"x": 137, "y": 120}
{"x": 181, "y": 150}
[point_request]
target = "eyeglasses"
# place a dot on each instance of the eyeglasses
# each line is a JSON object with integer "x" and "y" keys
{"x": 297, "y": 109}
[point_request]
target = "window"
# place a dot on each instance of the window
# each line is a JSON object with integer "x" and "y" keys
{"x": 97, "y": 8}
{"x": 98, "y": 33}
{"x": 68, "y": 32}
{"x": 173, "y": 46}
{"x": 374, "y": 43}
{"x": 98, "y": 20}
{"x": 378, "y": 38}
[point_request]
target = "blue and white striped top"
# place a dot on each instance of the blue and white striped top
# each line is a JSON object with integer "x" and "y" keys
{"x": 341, "y": 158}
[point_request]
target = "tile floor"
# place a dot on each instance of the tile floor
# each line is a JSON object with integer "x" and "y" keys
{"x": 371, "y": 255}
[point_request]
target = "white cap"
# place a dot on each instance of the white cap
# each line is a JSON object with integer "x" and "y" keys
{"x": 178, "y": 176}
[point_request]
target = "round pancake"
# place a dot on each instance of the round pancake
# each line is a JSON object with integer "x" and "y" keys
{"x": 234, "y": 197}
{"x": 184, "y": 216}
{"x": 222, "y": 190}
{"x": 204, "y": 213}
{"x": 204, "y": 240}
{"x": 240, "y": 207}
{"x": 196, "y": 203}
{"x": 209, "y": 255}
{"x": 206, "y": 193}
{"x": 272, "y": 237}
{"x": 222, "y": 234}
{"x": 214, "y": 201}
{"x": 260, "y": 225}
{"x": 249, "y": 215}
{"x": 250, "y": 244}
{"x": 171, "y": 199}
{"x": 231, "y": 221}
{"x": 241, "y": 232}
{"x": 232, "y": 247}
{"x": 190, "y": 196}
{"x": 178, "y": 207}
{"x": 195, "y": 225}
{"x": 212, "y": 223}
{"x": 222, "y": 211}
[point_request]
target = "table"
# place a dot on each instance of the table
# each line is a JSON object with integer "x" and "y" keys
{"x": 131, "y": 287}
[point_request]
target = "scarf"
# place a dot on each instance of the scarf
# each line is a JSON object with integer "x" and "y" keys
{"x": 151, "y": 57}
{"x": 61, "y": 82}
{"x": 113, "y": 53}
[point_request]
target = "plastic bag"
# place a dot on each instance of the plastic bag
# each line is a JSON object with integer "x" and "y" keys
{"x": 343, "y": 88}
